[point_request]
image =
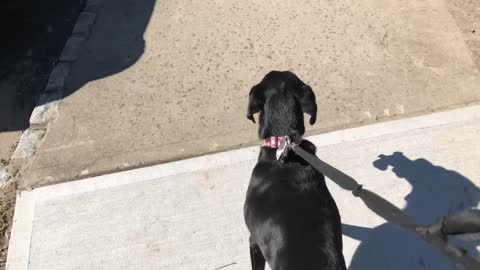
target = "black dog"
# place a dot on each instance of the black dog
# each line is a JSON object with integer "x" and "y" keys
{"x": 293, "y": 220}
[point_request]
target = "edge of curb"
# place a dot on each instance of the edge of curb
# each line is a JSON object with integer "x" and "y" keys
{"x": 47, "y": 108}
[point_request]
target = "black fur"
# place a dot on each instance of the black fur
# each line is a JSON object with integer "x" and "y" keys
{"x": 281, "y": 98}
{"x": 293, "y": 220}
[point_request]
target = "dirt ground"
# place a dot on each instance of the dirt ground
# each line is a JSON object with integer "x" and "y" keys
{"x": 7, "y": 203}
{"x": 33, "y": 36}
{"x": 467, "y": 17}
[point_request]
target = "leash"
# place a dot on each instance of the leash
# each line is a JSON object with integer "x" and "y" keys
{"x": 380, "y": 206}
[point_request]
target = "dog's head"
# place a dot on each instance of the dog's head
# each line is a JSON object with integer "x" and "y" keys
{"x": 281, "y": 98}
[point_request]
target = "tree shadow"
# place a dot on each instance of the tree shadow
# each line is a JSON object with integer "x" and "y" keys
{"x": 115, "y": 43}
{"x": 33, "y": 36}
{"x": 436, "y": 192}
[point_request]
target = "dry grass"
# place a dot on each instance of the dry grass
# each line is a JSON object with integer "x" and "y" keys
{"x": 7, "y": 206}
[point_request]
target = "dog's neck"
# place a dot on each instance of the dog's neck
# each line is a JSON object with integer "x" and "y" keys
{"x": 270, "y": 145}
{"x": 274, "y": 142}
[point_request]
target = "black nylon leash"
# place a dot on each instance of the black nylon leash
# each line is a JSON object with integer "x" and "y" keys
{"x": 384, "y": 208}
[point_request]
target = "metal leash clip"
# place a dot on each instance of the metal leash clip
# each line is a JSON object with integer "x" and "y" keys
{"x": 282, "y": 149}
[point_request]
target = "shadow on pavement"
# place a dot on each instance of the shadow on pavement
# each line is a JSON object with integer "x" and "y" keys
{"x": 33, "y": 36}
{"x": 116, "y": 41}
{"x": 35, "y": 33}
{"x": 436, "y": 192}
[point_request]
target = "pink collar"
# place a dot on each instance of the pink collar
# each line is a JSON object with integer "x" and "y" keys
{"x": 274, "y": 142}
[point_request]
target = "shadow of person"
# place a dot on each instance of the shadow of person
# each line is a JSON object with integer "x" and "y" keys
{"x": 436, "y": 192}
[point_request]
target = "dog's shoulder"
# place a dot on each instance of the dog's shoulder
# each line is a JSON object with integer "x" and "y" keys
{"x": 308, "y": 146}
{"x": 293, "y": 176}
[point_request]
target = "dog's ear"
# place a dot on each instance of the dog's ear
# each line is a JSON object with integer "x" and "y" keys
{"x": 256, "y": 100}
{"x": 306, "y": 97}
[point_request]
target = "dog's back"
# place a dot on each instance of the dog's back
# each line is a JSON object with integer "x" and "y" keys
{"x": 292, "y": 217}
{"x": 293, "y": 220}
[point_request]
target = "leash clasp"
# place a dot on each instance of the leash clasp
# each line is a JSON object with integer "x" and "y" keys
{"x": 282, "y": 150}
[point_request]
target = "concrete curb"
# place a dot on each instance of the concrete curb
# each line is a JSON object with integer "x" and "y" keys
{"x": 28, "y": 143}
{"x": 4, "y": 176}
{"x": 47, "y": 108}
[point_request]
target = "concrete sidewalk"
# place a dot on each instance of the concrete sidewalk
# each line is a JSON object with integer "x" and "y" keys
{"x": 165, "y": 80}
{"x": 188, "y": 214}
